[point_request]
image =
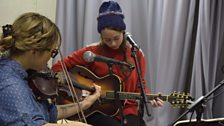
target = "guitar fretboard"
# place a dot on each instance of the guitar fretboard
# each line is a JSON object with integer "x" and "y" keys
{"x": 133, "y": 96}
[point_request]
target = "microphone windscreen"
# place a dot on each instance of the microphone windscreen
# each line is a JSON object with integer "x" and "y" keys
{"x": 88, "y": 56}
{"x": 127, "y": 34}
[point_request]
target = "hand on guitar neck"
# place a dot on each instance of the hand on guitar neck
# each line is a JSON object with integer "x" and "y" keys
{"x": 157, "y": 102}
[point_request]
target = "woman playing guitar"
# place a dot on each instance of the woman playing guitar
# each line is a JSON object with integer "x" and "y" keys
{"x": 113, "y": 45}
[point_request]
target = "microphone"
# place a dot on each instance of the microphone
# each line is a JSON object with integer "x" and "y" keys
{"x": 88, "y": 56}
{"x": 128, "y": 36}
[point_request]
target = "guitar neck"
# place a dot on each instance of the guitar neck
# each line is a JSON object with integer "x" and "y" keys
{"x": 134, "y": 96}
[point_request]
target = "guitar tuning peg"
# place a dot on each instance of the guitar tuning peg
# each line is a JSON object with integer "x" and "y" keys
{"x": 174, "y": 93}
{"x": 177, "y": 106}
{"x": 188, "y": 94}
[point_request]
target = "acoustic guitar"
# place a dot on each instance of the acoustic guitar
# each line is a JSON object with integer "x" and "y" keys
{"x": 111, "y": 89}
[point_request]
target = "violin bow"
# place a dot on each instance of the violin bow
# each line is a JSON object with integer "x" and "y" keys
{"x": 71, "y": 88}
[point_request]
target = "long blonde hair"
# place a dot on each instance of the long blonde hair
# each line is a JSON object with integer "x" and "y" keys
{"x": 30, "y": 31}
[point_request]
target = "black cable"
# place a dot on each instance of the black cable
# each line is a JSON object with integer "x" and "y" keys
{"x": 191, "y": 116}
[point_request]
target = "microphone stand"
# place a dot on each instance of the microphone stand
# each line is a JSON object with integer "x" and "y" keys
{"x": 116, "y": 96}
{"x": 143, "y": 98}
{"x": 199, "y": 104}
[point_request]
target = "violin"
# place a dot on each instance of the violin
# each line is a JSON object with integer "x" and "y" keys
{"x": 45, "y": 85}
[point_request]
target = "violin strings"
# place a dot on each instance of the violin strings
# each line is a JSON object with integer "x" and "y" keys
{"x": 71, "y": 88}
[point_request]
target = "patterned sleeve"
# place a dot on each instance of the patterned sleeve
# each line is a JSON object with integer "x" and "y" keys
{"x": 18, "y": 106}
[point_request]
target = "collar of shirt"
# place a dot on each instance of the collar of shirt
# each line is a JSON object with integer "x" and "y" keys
{"x": 17, "y": 68}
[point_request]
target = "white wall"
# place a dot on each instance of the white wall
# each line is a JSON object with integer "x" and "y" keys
{"x": 11, "y": 9}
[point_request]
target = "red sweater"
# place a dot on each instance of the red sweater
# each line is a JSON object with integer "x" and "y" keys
{"x": 101, "y": 69}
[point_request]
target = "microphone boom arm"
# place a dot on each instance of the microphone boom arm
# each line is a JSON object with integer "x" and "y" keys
{"x": 88, "y": 56}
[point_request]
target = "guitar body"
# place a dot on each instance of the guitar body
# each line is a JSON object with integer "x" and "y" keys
{"x": 109, "y": 102}
{"x": 87, "y": 78}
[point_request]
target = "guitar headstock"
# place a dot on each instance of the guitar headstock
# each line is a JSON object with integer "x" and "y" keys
{"x": 179, "y": 99}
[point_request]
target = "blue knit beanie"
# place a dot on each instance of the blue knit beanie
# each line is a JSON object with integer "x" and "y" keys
{"x": 110, "y": 15}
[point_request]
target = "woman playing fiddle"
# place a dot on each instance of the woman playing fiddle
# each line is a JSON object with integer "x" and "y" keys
{"x": 30, "y": 42}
